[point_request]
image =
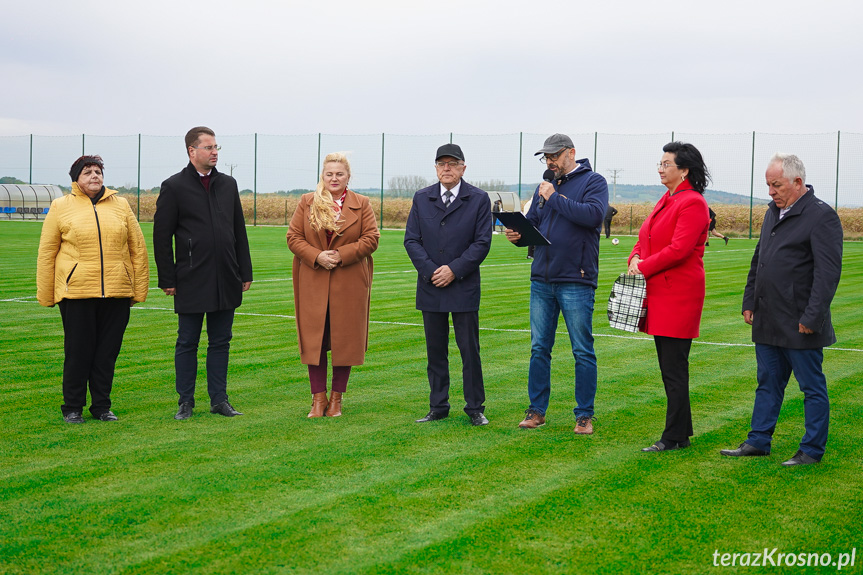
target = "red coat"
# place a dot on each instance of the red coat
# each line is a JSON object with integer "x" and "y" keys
{"x": 671, "y": 247}
{"x": 345, "y": 291}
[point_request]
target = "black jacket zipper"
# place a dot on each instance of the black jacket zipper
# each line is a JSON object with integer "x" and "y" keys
{"x": 548, "y": 231}
{"x": 101, "y": 255}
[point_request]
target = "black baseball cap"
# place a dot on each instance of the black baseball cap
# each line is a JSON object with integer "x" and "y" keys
{"x": 451, "y": 150}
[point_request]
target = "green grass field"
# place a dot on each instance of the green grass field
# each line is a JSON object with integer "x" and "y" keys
{"x": 373, "y": 492}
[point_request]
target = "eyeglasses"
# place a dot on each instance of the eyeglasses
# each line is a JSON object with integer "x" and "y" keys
{"x": 207, "y": 148}
{"x": 551, "y": 157}
{"x": 665, "y": 165}
{"x": 452, "y": 165}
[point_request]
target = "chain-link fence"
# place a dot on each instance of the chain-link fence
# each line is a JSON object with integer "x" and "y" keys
{"x": 273, "y": 170}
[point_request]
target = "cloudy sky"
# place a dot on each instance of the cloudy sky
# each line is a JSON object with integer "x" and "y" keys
{"x": 406, "y": 67}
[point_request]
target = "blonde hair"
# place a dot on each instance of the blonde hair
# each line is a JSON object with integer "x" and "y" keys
{"x": 322, "y": 215}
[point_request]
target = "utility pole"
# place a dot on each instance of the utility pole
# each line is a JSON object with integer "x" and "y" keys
{"x": 231, "y": 167}
{"x": 614, "y": 180}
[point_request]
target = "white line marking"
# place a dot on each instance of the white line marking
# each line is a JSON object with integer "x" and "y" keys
{"x": 503, "y": 330}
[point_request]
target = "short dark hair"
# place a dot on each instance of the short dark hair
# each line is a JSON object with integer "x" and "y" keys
{"x": 193, "y": 135}
{"x": 687, "y": 156}
{"x": 82, "y": 162}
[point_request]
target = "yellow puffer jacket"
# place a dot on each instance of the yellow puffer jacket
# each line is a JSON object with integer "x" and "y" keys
{"x": 89, "y": 251}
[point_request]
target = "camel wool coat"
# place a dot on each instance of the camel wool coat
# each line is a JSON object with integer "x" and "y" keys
{"x": 345, "y": 290}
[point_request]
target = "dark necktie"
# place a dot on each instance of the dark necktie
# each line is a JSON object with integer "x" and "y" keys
{"x": 447, "y": 198}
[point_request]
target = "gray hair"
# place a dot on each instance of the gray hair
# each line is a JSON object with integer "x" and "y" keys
{"x": 792, "y": 166}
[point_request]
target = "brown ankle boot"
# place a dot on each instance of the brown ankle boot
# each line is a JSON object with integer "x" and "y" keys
{"x": 334, "y": 409}
{"x": 319, "y": 404}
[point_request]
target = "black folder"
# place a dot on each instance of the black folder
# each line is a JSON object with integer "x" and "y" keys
{"x": 530, "y": 236}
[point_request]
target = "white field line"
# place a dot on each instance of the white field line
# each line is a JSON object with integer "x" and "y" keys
{"x": 495, "y": 329}
{"x": 144, "y": 307}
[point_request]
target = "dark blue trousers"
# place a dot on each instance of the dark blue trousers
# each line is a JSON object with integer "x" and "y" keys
{"x": 775, "y": 365}
{"x": 466, "y": 327}
{"x": 219, "y": 335}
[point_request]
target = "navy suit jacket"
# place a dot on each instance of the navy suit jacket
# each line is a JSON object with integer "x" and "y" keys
{"x": 458, "y": 236}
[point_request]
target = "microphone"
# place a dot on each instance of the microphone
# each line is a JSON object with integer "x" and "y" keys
{"x": 547, "y": 176}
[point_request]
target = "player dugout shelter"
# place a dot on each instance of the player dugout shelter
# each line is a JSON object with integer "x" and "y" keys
{"x": 25, "y": 201}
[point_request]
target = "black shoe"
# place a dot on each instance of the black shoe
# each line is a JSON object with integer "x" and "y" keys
{"x": 74, "y": 417}
{"x": 661, "y": 445}
{"x": 434, "y": 416}
{"x": 800, "y": 458}
{"x": 185, "y": 411}
{"x": 707, "y": 244}
{"x": 726, "y": 240}
{"x": 478, "y": 419}
{"x": 225, "y": 409}
{"x": 745, "y": 450}
{"x": 107, "y": 416}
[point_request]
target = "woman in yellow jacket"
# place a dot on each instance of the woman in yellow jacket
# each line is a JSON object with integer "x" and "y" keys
{"x": 93, "y": 263}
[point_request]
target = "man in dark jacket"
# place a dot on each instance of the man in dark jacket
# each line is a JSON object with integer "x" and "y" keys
{"x": 569, "y": 212}
{"x": 447, "y": 237}
{"x": 199, "y": 212}
{"x": 792, "y": 280}
{"x": 610, "y": 212}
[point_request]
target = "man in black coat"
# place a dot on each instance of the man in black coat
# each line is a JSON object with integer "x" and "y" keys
{"x": 792, "y": 280}
{"x": 199, "y": 212}
{"x": 447, "y": 237}
{"x": 610, "y": 212}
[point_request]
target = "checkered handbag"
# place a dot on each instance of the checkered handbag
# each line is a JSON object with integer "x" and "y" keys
{"x": 627, "y": 309}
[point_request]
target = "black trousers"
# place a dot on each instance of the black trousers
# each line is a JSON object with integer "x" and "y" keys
{"x": 607, "y": 225}
{"x": 219, "y": 334}
{"x": 466, "y": 326}
{"x": 93, "y": 335}
{"x": 673, "y": 354}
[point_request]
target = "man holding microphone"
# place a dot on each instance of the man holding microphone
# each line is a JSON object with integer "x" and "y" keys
{"x": 568, "y": 208}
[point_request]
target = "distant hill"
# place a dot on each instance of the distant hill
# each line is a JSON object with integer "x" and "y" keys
{"x": 626, "y": 194}
{"x": 634, "y": 194}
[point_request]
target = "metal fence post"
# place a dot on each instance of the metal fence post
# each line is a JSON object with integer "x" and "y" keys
{"x": 595, "y": 146}
{"x": 836, "y": 202}
{"x": 139, "y": 177}
{"x": 30, "y": 179}
{"x": 751, "y": 184}
{"x": 383, "y": 150}
{"x": 520, "y": 149}
{"x": 255, "y": 179}
{"x": 318, "y": 167}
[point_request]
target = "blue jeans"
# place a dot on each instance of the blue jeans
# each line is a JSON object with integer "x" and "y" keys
{"x": 547, "y": 301}
{"x": 775, "y": 365}
{"x": 219, "y": 335}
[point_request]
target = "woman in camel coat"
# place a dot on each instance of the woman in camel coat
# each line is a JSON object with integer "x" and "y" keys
{"x": 332, "y": 235}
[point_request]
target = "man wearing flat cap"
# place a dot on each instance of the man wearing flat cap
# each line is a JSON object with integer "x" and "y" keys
{"x": 568, "y": 211}
{"x": 448, "y": 236}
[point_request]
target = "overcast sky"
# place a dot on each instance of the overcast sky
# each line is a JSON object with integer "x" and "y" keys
{"x": 402, "y": 67}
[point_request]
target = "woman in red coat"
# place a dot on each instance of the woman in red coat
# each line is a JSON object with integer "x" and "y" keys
{"x": 669, "y": 253}
{"x": 332, "y": 235}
